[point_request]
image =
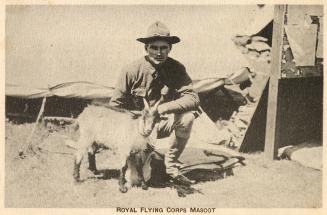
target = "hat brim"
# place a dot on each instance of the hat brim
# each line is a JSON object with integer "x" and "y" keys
{"x": 170, "y": 39}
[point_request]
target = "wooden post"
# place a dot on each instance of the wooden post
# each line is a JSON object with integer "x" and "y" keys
{"x": 272, "y": 126}
{"x": 29, "y": 139}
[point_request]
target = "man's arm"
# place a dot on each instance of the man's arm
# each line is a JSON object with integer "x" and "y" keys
{"x": 188, "y": 98}
{"x": 121, "y": 97}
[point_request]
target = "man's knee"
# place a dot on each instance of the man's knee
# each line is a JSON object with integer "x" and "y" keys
{"x": 185, "y": 119}
{"x": 184, "y": 124}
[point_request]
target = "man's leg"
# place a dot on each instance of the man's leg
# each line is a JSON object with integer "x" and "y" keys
{"x": 176, "y": 147}
{"x": 182, "y": 125}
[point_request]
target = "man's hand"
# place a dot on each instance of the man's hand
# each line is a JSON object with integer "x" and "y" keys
{"x": 164, "y": 116}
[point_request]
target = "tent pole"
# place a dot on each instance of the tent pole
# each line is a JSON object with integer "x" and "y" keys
{"x": 273, "y": 116}
{"x": 29, "y": 139}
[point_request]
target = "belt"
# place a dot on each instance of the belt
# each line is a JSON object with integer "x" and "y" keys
{"x": 197, "y": 112}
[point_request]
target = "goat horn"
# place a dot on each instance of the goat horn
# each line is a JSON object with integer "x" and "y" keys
{"x": 157, "y": 103}
{"x": 146, "y": 104}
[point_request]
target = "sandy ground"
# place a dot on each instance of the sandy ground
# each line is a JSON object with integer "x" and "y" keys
{"x": 46, "y": 180}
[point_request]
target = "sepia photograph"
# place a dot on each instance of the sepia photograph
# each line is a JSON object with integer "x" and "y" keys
{"x": 163, "y": 108}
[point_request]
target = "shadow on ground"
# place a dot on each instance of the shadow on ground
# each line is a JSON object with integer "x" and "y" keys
{"x": 198, "y": 172}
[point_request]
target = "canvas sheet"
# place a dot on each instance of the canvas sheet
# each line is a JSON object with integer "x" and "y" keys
{"x": 298, "y": 13}
{"x": 260, "y": 20}
{"x": 88, "y": 90}
{"x": 303, "y": 43}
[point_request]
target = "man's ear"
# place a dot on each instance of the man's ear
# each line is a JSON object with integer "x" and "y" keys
{"x": 146, "y": 47}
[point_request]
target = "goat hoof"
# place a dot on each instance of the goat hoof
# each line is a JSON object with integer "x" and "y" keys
{"x": 78, "y": 180}
{"x": 92, "y": 169}
{"x": 123, "y": 189}
{"x": 96, "y": 172}
{"x": 144, "y": 186}
{"x": 98, "y": 175}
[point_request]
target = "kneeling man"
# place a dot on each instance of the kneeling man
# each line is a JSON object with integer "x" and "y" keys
{"x": 153, "y": 75}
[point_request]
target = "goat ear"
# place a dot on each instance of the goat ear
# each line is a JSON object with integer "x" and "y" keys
{"x": 146, "y": 104}
{"x": 136, "y": 114}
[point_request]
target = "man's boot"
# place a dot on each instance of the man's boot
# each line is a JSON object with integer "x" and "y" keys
{"x": 177, "y": 146}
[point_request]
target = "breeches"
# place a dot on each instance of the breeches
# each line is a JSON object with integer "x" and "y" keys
{"x": 180, "y": 123}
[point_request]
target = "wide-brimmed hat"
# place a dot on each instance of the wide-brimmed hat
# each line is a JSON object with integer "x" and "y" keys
{"x": 158, "y": 31}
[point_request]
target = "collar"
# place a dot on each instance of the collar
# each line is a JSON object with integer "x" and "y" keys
{"x": 154, "y": 68}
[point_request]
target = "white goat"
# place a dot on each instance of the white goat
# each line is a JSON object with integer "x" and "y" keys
{"x": 119, "y": 130}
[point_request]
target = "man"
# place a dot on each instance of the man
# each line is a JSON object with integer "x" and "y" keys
{"x": 150, "y": 77}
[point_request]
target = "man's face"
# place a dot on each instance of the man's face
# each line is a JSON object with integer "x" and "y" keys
{"x": 158, "y": 51}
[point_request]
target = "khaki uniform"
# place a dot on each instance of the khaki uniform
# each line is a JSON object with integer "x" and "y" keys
{"x": 143, "y": 79}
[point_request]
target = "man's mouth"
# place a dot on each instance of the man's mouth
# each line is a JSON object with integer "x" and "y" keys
{"x": 157, "y": 60}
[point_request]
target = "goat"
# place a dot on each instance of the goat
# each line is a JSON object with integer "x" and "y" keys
{"x": 116, "y": 129}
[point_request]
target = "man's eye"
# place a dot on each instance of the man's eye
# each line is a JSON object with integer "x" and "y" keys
{"x": 154, "y": 47}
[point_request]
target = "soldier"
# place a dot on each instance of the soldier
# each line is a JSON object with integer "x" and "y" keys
{"x": 153, "y": 75}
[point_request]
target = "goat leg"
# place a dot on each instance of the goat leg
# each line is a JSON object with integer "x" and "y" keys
{"x": 77, "y": 164}
{"x": 76, "y": 174}
{"x": 139, "y": 169}
{"x": 122, "y": 179}
{"x": 92, "y": 164}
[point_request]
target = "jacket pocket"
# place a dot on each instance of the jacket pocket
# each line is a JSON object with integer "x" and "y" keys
{"x": 138, "y": 94}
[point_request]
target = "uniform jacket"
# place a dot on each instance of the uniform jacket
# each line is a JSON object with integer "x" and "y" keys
{"x": 142, "y": 78}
